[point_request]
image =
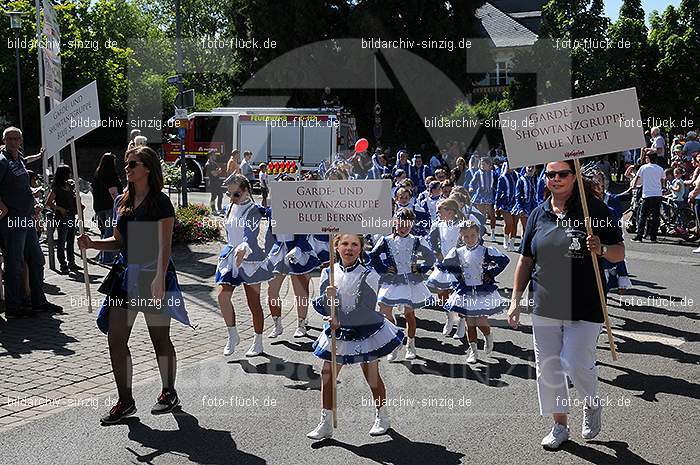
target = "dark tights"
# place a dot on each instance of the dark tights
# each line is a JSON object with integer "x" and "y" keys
{"x": 120, "y": 323}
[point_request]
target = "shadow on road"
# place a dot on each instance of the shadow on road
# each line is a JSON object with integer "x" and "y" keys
{"x": 190, "y": 440}
{"x": 43, "y": 332}
{"x": 290, "y": 370}
{"x": 651, "y": 385}
{"x": 622, "y": 453}
{"x": 399, "y": 450}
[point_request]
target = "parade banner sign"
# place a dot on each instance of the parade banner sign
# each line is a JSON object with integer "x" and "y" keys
{"x": 71, "y": 119}
{"x": 571, "y": 129}
{"x": 331, "y": 207}
{"x": 51, "y": 46}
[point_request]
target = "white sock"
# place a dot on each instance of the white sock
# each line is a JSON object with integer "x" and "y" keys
{"x": 232, "y": 332}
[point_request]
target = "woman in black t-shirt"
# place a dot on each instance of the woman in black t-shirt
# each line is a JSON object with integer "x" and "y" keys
{"x": 105, "y": 189}
{"x": 567, "y": 314}
{"x": 142, "y": 279}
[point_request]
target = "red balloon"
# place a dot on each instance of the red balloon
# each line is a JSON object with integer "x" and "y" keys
{"x": 361, "y": 145}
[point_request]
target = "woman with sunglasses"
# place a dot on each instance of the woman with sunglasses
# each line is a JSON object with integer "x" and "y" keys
{"x": 556, "y": 260}
{"x": 242, "y": 261}
{"x": 525, "y": 196}
{"x": 142, "y": 279}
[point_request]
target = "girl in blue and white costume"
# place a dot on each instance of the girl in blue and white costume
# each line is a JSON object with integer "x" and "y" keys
{"x": 505, "y": 202}
{"x": 482, "y": 189}
{"x": 291, "y": 254}
{"x": 443, "y": 237}
{"x": 363, "y": 334}
{"x": 525, "y": 195}
{"x": 475, "y": 295}
{"x": 319, "y": 242}
{"x": 395, "y": 258}
{"x": 471, "y": 171}
{"x": 242, "y": 261}
{"x": 616, "y": 274}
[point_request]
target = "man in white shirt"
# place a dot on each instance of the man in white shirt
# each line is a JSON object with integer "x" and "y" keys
{"x": 658, "y": 147}
{"x": 652, "y": 177}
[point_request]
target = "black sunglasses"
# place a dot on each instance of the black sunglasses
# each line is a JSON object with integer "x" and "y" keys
{"x": 131, "y": 164}
{"x": 562, "y": 174}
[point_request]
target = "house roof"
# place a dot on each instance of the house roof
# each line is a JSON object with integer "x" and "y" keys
{"x": 503, "y": 30}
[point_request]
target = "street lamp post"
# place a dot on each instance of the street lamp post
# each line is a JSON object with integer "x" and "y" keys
{"x": 16, "y": 26}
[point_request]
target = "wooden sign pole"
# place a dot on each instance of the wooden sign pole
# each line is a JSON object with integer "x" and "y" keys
{"x": 334, "y": 366}
{"x": 596, "y": 267}
{"x": 81, "y": 223}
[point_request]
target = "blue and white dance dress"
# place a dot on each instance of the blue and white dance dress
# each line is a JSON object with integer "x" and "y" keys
{"x": 443, "y": 237}
{"x": 320, "y": 244}
{"x": 242, "y": 223}
{"x": 293, "y": 254}
{"x": 616, "y": 274}
{"x": 505, "y": 190}
{"x": 475, "y": 291}
{"x": 525, "y": 195}
{"x": 482, "y": 187}
{"x": 364, "y": 334}
{"x": 407, "y": 285}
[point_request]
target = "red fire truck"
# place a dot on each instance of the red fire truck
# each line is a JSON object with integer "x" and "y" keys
{"x": 302, "y": 135}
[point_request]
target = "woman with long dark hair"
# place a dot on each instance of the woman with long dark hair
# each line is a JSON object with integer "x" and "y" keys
{"x": 142, "y": 279}
{"x": 62, "y": 200}
{"x": 105, "y": 189}
{"x": 556, "y": 260}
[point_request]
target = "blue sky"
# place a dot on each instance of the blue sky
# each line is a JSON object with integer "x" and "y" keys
{"x": 612, "y": 7}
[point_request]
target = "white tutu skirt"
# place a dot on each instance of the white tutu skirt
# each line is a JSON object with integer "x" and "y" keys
{"x": 477, "y": 304}
{"x": 440, "y": 280}
{"x": 359, "y": 344}
{"x": 416, "y": 295}
{"x": 616, "y": 280}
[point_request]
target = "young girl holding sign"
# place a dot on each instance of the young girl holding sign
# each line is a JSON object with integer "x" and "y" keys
{"x": 242, "y": 261}
{"x": 363, "y": 335}
{"x": 395, "y": 257}
{"x": 475, "y": 295}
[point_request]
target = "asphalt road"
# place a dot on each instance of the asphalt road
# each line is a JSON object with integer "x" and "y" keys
{"x": 240, "y": 411}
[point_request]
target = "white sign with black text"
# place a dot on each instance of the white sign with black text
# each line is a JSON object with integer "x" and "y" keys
{"x": 331, "y": 207}
{"x": 71, "y": 119}
{"x": 578, "y": 128}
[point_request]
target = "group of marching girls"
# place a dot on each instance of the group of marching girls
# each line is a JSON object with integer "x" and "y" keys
{"x": 435, "y": 256}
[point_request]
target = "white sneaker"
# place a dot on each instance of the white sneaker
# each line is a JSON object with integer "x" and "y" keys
{"x": 381, "y": 422}
{"x": 592, "y": 421}
{"x": 411, "y": 349}
{"x": 233, "y": 340}
{"x": 301, "y": 330}
{"x": 257, "y": 347}
{"x": 488, "y": 344}
{"x": 277, "y": 330}
{"x": 461, "y": 329}
{"x": 394, "y": 355}
{"x": 506, "y": 242}
{"x": 696, "y": 250}
{"x": 472, "y": 353}
{"x": 449, "y": 324}
{"x": 556, "y": 437}
{"x": 325, "y": 426}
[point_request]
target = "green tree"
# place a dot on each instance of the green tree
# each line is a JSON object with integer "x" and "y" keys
{"x": 675, "y": 37}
